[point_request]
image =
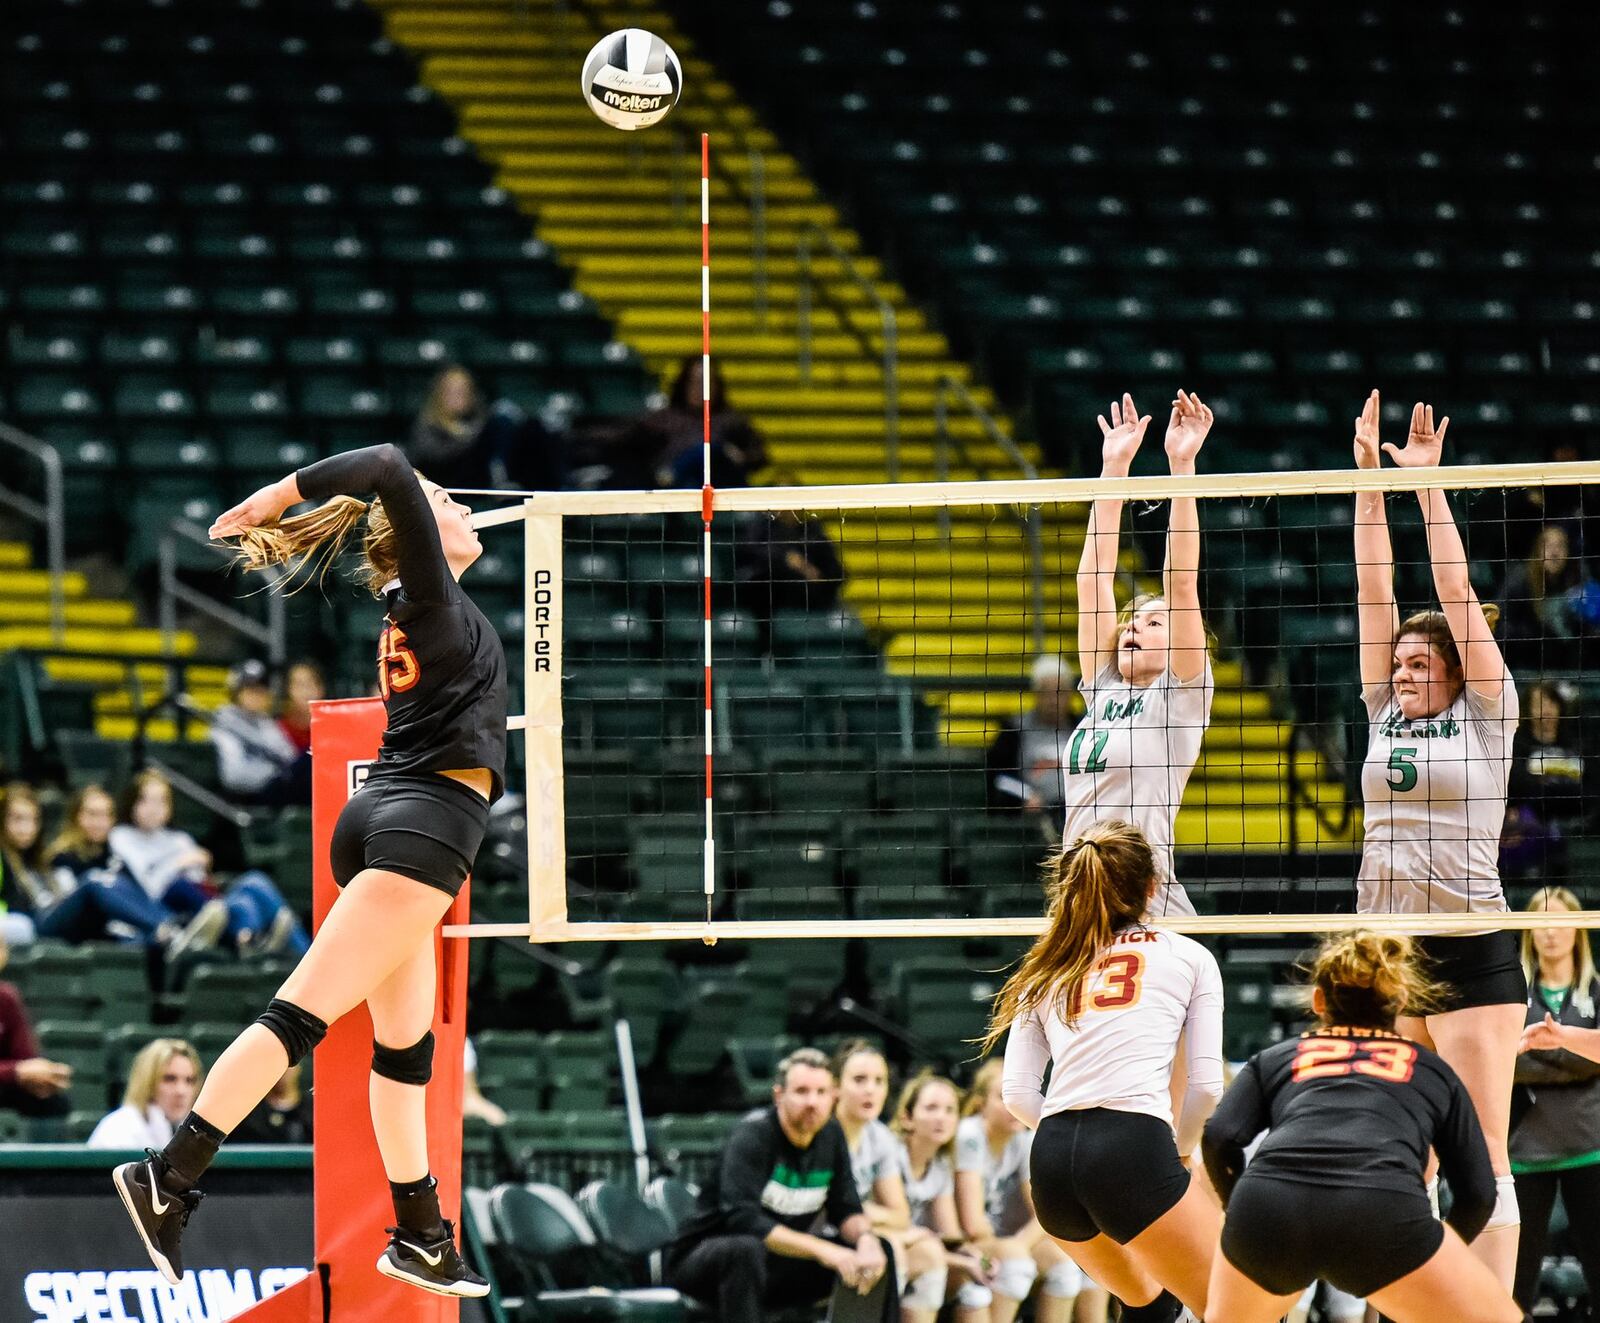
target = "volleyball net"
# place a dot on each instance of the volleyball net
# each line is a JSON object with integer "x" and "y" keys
{"x": 873, "y": 728}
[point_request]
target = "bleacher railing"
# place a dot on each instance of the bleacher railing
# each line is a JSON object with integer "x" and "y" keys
{"x": 268, "y": 634}
{"x": 51, "y": 513}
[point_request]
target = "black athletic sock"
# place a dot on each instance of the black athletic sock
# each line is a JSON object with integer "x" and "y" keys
{"x": 416, "y": 1208}
{"x": 189, "y": 1152}
{"x": 1165, "y": 1308}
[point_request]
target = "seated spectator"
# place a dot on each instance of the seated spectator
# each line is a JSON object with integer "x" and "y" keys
{"x": 663, "y": 448}
{"x": 257, "y": 762}
{"x": 174, "y": 870}
{"x": 282, "y": 1117}
{"x": 1546, "y": 797}
{"x": 88, "y": 896}
{"x": 1026, "y": 758}
{"x": 163, "y": 1082}
{"x": 303, "y": 685}
{"x": 760, "y": 1236}
{"x": 1541, "y": 597}
{"x": 21, "y": 878}
{"x": 29, "y": 1083}
{"x": 784, "y": 561}
{"x": 473, "y": 1103}
{"x": 459, "y": 441}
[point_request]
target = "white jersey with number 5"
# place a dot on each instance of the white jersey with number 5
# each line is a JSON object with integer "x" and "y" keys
{"x": 1130, "y": 758}
{"x": 1434, "y": 791}
{"x": 1147, "y": 990}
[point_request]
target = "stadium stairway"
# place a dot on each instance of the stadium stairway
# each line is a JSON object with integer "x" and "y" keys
{"x": 618, "y": 208}
{"x": 92, "y": 664}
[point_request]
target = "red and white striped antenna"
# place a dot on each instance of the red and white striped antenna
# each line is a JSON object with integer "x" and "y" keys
{"x": 706, "y": 494}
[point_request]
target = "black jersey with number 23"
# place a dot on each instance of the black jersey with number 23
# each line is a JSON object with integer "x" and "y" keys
{"x": 441, "y": 668}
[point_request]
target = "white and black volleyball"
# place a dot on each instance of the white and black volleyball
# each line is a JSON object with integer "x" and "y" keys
{"x": 632, "y": 79}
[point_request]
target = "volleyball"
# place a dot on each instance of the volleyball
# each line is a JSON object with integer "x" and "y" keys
{"x": 631, "y": 79}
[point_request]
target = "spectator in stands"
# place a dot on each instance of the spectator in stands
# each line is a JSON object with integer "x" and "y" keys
{"x": 784, "y": 561}
{"x": 162, "y": 1083}
{"x": 463, "y": 442}
{"x": 473, "y": 1103}
{"x": 21, "y": 878}
{"x": 995, "y": 1203}
{"x": 760, "y": 1234}
{"x": 174, "y": 870}
{"x": 257, "y": 762}
{"x": 29, "y": 1083}
{"x": 87, "y": 895}
{"x": 1555, "y": 1133}
{"x": 1541, "y": 596}
{"x": 282, "y": 1117}
{"x": 303, "y": 685}
{"x": 663, "y": 448}
{"x": 1546, "y": 795}
{"x": 1026, "y": 758}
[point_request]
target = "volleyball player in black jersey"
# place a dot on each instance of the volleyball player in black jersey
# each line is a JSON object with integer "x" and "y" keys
{"x": 401, "y": 850}
{"x": 1336, "y": 1190}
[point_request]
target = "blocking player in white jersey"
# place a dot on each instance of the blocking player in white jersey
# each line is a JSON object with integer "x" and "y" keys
{"x": 925, "y": 1130}
{"x": 1101, "y": 1001}
{"x": 1145, "y": 672}
{"x": 1443, "y": 711}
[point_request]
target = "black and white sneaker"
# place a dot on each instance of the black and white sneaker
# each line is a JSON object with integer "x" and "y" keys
{"x": 158, "y": 1215}
{"x": 435, "y": 1266}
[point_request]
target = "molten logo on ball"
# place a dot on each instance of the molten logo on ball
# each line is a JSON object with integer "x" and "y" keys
{"x": 632, "y": 79}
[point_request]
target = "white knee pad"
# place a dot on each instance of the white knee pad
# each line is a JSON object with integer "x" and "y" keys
{"x": 1063, "y": 1281}
{"x": 1506, "y": 1212}
{"x": 974, "y": 1295}
{"x": 926, "y": 1291}
{"x": 1015, "y": 1277}
{"x": 1433, "y": 1197}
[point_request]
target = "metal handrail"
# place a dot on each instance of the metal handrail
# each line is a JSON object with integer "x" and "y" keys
{"x": 814, "y": 234}
{"x": 1028, "y": 517}
{"x": 173, "y": 590}
{"x": 51, "y": 512}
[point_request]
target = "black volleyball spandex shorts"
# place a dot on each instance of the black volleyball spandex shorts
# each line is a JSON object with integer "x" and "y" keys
{"x": 1102, "y": 1172}
{"x": 1284, "y": 1235}
{"x": 1482, "y": 970}
{"x": 424, "y": 827}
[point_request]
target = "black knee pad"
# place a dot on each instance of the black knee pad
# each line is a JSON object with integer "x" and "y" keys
{"x": 299, "y": 1031}
{"x": 405, "y": 1065}
{"x": 1165, "y": 1308}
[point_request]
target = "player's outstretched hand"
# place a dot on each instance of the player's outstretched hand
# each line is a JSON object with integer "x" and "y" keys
{"x": 1425, "y": 444}
{"x": 1122, "y": 437}
{"x": 1541, "y": 1037}
{"x": 1367, "y": 455}
{"x": 1186, "y": 432}
{"x": 260, "y": 507}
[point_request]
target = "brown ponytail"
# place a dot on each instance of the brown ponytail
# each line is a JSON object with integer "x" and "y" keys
{"x": 311, "y": 542}
{"x": 1367, "y": 979}
{"x": 1100, "y": 882}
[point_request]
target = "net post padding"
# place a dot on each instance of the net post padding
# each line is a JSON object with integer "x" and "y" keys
{"x": 351, "y": 1189}
{"x": 547, "y": 848}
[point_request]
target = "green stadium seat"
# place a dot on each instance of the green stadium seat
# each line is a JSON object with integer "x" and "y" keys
{"x": 823, "y": 781}
{"x": 829, "y": 638}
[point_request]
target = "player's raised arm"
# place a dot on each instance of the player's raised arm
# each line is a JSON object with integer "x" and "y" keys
{"x": 1376, "y": 613}
{"x": 1483, "y": 668}
{"x": 1097, "y": 565}
{"x": 1186, "y": 433}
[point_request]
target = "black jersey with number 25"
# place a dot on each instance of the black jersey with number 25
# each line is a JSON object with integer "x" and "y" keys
{"x": 441, "y": 668}
{"x": 1358, "y": 1109}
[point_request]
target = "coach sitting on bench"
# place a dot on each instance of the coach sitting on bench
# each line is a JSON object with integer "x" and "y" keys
{"x": 761, "y": 1235}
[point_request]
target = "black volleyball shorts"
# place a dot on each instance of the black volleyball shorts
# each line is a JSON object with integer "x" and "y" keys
{"x": 1098, "y": 1171}
{"x": 1483, "y": 970}
{"x": 1284, "y": 1235}
{"x": 426, "y": 827}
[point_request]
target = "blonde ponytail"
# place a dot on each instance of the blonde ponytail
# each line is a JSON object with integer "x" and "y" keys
{"x": 1367, "y": 979}
{"x": 310, "y": 543}
{"x": 1100, "y": 883}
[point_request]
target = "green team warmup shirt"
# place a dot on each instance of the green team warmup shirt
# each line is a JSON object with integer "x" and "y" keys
{"x": 764, "y": 1181}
